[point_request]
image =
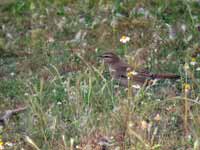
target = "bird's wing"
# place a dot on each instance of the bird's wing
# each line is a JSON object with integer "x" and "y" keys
{"x": 141, "y": 73}
{"x": 122, "y": 71}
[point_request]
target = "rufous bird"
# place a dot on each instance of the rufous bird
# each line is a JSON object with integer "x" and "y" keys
{"x": 119, "y": 71}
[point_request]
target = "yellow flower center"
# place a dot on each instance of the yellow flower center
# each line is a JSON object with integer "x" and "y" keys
{"x": 193, "y": 59}
{"x": 1, "y": 142}
{"x": 187, "y": 86}
{"x": 123, "y": 37}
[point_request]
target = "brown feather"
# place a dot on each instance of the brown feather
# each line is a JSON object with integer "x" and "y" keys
{"x": 118, "y": 70}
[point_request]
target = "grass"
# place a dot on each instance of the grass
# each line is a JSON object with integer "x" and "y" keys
{"x": 49, "y": 62}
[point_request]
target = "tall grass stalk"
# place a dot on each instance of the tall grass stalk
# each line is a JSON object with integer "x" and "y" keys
{"x": 186, "y": 113}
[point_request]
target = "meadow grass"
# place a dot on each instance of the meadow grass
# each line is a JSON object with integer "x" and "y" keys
{"x": 49, "y": 62}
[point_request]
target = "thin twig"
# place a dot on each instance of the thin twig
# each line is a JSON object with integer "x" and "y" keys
{"x": 9, "y": 113}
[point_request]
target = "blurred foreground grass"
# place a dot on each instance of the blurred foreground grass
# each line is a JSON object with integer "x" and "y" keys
{"x": 49, "y": 62}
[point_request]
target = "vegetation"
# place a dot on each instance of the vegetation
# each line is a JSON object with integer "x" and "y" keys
{"x": 49, "y": 62}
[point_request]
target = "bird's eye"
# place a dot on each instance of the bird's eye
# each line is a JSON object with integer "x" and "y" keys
{"x": 106, "y": 56}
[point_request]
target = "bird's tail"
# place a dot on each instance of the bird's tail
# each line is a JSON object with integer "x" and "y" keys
{"x": 165, "y": 76}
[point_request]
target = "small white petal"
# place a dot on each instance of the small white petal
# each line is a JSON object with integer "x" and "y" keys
{"x": 130, "y": 124}
{"x": 12, "y": 73}
{"x": 198, "y": 69}
{"x": 9, "y": 144}
{"x": 124, "y": 39}
{"x": 9, "y": 35}
{"x": 134, "y": 73}
{"x": 25, "y": 94}
{"x": 193, "y": 63}
{"x": 137, "y": 86}
{"x": 183, "y": 27}
{"x": 127, "y": 39}
{"x": 59, "y": 103}
{"x": 186, "y": 66}
{"x": 1, "y": 147}
{"x": 51, "y": 40}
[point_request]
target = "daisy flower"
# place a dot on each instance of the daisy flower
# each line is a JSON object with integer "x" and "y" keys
{"x": 193, "y": 61}
{"x": 124, "y": 39}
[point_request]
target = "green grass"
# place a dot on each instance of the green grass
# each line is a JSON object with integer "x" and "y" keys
{"x": 49, "y": 62}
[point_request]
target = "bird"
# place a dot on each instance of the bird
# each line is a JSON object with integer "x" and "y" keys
{"x": 121, "y": 72}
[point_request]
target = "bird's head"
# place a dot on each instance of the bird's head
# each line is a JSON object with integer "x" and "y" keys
{"x": 110, "y": 58}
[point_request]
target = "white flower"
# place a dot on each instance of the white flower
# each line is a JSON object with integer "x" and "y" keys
{"x": 141, "y": 11}
{"x": 1, "y": 147}
{"x": 189, "y": 137}
{"x": 9, "y": 35}
{"x": 59, "y": 103}
{"x": 187, "y": 87}
{"x": 12, "y": 74}
{"x": 25, "y": 94}
{"x": 186, "y": 66}
{"x": 71, "y": 141}
{"x": 193, "y": 62}
{"x": 130, "y": 124}
{"x": 124, "y": 39}
{"x": 136, "y": 86}
{"x": 134, "y": 73}
{"x": 51, "y": 39}
{"x": 183, "y": 27}
{"x": 198, "y": 69}
{"x": 9, "y": 144}
{"x": 157, "y": 117}
{"x": 78, "y": 147}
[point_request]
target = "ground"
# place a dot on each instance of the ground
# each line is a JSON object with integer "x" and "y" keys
{"x": 49, "y": 63}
